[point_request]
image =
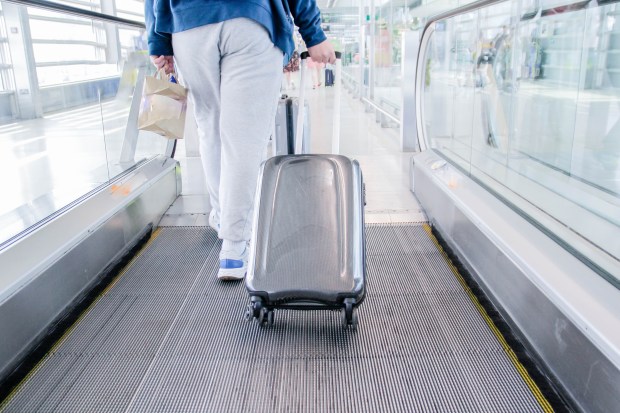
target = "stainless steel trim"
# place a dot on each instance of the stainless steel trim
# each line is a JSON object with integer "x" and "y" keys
{"x": 51, "y": 239}
{"x": 44, "y": 272}
{"x": 563, "y": 309}
{"x": 89, "y": 14}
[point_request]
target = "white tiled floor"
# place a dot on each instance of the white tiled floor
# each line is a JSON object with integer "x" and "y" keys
{"x": 385, "y": 167}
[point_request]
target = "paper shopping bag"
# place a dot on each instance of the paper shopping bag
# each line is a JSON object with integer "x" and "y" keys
{"x": 163, "y": 107}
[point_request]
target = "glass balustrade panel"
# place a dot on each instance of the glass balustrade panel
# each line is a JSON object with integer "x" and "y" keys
{"x": 68, "y": 85}
{"x": 545, "y": 115}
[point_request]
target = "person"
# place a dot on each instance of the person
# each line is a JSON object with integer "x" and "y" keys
{"x": 291, "y": 67}
{"x": 230, "y": 55}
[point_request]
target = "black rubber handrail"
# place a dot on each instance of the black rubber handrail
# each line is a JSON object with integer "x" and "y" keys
{"x": 62, "y": 8}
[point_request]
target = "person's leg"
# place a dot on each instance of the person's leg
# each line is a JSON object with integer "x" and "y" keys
{"x": 251, "y": 74}
{"x": 197, "y": 55}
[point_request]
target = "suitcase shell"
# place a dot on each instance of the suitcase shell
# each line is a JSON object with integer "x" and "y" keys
{"x": 308, "y": 245}
{"x": 286, "y": 124}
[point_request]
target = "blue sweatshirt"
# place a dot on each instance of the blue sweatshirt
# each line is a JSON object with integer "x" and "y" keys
{"x": 164, "y": 17}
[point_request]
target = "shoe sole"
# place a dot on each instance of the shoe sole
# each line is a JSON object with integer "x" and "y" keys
{"x": 231, "y": 274}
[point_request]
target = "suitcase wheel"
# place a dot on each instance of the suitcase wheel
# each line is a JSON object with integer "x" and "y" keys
{"x": 265, "y": 317}
{"x": 256, "y": 310}
{"x": 270, "y": 317}
{"x": 349, "y": 314}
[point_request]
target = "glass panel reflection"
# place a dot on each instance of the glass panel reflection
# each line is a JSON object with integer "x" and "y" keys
{"x": 67, "y": 88}
{"x": 464, "y": 66}
{"x": 546, "y": 102}
{"x": 596, "y": 155}
{"x": 439, "y": 92}
{"x": 545, "y": 118}
{"x": 493, "y": 82}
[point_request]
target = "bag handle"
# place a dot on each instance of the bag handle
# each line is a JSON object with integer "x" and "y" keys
{"x": 161, "y": 74}
{"x": 172, "y": 77}
{"x": 302, "y": 106}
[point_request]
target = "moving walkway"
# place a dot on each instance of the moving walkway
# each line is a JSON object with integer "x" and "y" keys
{"x": 473, "y": 306}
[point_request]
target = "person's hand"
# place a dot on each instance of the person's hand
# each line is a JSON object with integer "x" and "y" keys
{"x": 323, "y": 52}
{"x": 163, "y": 62}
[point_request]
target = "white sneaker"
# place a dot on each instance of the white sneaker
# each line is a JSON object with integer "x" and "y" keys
{"x": 233, "y": 261}
{"x": 214, "y": 222}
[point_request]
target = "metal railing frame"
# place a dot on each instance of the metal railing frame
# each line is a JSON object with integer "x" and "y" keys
{"x": 76, "y": 11}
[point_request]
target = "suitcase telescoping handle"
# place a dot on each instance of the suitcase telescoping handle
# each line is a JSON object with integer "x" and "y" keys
{"x": 302, "y": 99}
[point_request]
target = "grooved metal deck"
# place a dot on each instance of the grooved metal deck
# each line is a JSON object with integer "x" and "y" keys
{"x": 169, "y": 337}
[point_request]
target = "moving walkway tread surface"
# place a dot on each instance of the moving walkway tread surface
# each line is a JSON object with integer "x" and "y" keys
{"x": 168, "y": 336}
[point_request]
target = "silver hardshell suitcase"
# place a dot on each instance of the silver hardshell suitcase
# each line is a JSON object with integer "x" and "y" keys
{"x": 286, "y": 125}
{"x": 308, "y": 243}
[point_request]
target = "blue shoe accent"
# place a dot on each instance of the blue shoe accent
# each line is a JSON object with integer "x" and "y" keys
{"x": 230, "y": 264}
{"x": 233, "y": 264}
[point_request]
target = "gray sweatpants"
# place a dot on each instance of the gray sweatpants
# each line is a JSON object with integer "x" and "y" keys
{"x": 233, "y": 73}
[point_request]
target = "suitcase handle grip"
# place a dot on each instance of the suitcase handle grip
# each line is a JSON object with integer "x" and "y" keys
{"x": 305, "y": 55}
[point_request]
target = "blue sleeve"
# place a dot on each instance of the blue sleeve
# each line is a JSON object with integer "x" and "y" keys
{"x": 308, "y": 18}
{"x": 159, "y": 43}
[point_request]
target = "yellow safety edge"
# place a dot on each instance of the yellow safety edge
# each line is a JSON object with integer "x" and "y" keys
{"x": 542, "y": 400}
{"x": 68, "y": 332}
